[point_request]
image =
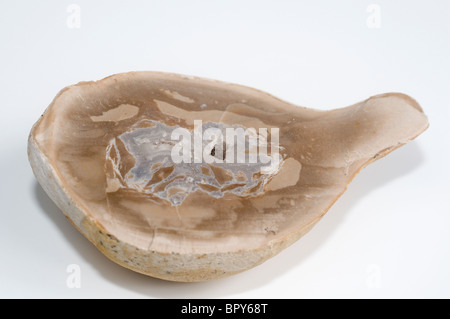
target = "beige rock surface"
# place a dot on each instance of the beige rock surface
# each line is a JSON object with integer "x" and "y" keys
{"x": 97, "y": 153}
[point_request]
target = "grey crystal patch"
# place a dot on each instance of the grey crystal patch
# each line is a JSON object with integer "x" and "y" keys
{"x": 151, "y": 148}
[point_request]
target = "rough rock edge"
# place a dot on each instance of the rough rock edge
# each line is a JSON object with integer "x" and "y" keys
{"x": 174, "y": 267}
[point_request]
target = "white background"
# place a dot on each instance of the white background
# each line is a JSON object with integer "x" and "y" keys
{"x": 388, "y": 235}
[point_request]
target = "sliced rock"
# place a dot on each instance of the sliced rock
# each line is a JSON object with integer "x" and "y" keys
{"x": 103, "y": 153}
